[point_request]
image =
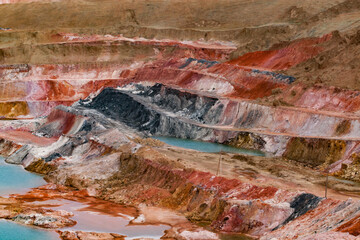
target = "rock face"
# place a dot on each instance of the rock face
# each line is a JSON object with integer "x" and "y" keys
{"x": 161, "y": 110}
{"x": 161, "y": 117}
{"x": 159, "y": 102}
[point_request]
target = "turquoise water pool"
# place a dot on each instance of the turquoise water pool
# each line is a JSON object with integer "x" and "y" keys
{"x": 14, "y": 179}
{"x": 207, "y": 146}
{"x": 13, "y": 231}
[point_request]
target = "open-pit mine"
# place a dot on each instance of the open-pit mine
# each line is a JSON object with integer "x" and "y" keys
{"x": 179, "y": 119}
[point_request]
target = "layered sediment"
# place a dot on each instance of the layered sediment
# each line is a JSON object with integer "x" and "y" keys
{"x": 80, "y": 100}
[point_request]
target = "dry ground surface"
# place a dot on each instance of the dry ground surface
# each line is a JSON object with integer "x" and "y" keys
{"x": 264, "y": 171}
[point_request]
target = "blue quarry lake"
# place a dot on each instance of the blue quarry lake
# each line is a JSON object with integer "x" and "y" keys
{"x": 207, "y": 146}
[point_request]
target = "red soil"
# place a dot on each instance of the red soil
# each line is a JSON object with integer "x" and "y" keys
{"x": 284, "y": 58}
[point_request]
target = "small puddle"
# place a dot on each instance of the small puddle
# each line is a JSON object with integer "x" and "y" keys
{"x": 90, "y": 219}
{"x": 207, "y": 146}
